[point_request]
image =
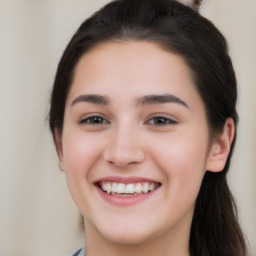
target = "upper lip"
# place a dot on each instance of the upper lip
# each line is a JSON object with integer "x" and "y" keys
{"x": 125, "y": 180}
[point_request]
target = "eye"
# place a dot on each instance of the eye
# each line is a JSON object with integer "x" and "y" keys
{"x": 160, "y": 120}
{"x": 94, "y": 120}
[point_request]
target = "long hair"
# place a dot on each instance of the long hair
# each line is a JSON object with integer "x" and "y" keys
{"x": 179, "y": 29}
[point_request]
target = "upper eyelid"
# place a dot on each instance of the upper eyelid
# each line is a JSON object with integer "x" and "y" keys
{"x": 163, "y": 115}
{"x": 93, "y": 114}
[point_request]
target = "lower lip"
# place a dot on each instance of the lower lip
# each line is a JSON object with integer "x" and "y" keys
{"x": 126, "y": 201}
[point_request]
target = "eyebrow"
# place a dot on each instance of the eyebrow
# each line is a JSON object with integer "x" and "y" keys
{"x": 160, "y": 99}
{"x": 91, "y": 98}
{"x": 141, "y": 101}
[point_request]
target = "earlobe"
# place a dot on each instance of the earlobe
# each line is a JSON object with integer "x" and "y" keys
{"x": 58, "y": 143}
{"x": 220, "y": 147}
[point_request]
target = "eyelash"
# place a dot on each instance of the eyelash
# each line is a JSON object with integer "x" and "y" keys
{"x": 156, "y": 120}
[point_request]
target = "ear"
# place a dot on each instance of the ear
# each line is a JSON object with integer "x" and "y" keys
{"x": 220, "y": 147}
{"x": 58, "y": 143}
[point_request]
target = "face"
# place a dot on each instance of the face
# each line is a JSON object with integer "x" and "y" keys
{"x": 135, "y": 142}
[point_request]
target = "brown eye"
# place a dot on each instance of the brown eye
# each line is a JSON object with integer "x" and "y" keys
{"x": 94, "y": 120}
{"x": 159, "y": 120}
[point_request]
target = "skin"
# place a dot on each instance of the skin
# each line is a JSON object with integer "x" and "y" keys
{"x": 126, "y": 141}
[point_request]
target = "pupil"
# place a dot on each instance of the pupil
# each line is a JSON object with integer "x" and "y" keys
{"x": 160, "y": 120}
{"x": 96, "y": 120}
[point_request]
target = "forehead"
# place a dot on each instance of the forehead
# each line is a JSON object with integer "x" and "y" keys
{"x": 125, "y": 63}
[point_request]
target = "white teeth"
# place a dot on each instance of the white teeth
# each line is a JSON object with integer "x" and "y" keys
{"x": 138, "y": 188}
{"x": 145, "y": 187}
{"x": 129, "y": 189}
{"x": 122, "y": 189}
{"x": 108, "y": 187}
{"x": 151, "y": 187}
{"x": 114, "y": 187}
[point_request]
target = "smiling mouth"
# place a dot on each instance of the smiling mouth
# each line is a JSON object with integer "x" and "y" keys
{"x": 127, "y": 190}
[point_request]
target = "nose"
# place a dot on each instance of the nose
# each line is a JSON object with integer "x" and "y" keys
{"x": 124, "y": 148}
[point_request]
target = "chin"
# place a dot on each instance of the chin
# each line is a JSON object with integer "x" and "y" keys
{"x": 129, "y": 234}
{"x": 124, "y": 238}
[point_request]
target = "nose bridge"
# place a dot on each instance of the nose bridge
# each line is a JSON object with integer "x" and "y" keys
{"x": 124, "y": 145}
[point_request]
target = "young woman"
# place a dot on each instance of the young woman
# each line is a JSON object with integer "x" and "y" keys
{"x": 143, "y": 115}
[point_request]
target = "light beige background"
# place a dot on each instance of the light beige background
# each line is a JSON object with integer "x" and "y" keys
{"x": 37, "y": 215}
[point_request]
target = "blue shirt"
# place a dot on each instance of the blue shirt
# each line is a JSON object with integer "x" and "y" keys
{"x": 80, "y": 252}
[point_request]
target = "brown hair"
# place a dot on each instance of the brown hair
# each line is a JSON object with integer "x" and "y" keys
{"x": 215, "y": 229}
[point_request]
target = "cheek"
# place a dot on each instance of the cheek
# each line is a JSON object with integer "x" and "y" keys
{"x": 183, "y": 159}
{"x": 80, "y": 152}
